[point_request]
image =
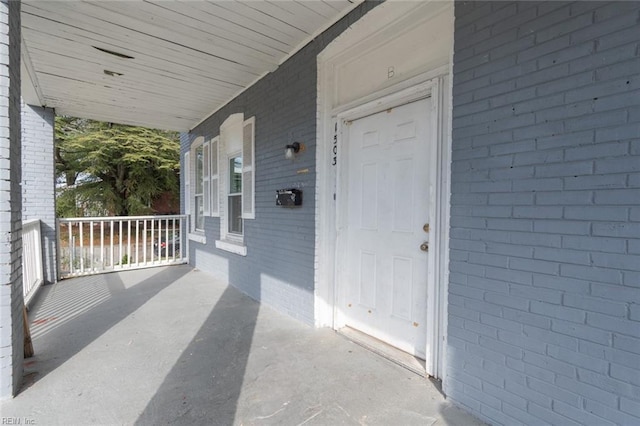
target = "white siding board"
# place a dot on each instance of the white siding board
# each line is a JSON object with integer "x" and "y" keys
{"x": 145, "y": 46}
{"x": 234, "y": 24}
{"x": 178, "y": 12}
{"x": 82, "y": 89}
{"x": 160, "y": 56}
{"x": 135, "y": 78}
{"x": 156, "y": 83}
{"x": 189, "y": 57}
{"x": 250, "y": 18}
{"x": 69, "y": 50}
{"x": 159, "y": 26}
{"x": 200, "y": 12}
{"x": 327, "y": 9}
{"x": 253, "y": 15}
{"x": 135, "y": 28}
{"x": 306, "y": 19}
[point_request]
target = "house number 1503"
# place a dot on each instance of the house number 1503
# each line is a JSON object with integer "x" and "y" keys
{"x": 335, "y": 144}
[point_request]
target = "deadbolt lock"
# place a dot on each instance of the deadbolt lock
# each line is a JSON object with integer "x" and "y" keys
{"x": 425, "y": 228}
{"x": 424, "y": 246}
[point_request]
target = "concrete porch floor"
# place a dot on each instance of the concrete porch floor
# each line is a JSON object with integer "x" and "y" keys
{"x": 174, "y": 346}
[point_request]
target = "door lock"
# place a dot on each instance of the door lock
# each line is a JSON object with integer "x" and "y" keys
{"x": 424, "y": 246}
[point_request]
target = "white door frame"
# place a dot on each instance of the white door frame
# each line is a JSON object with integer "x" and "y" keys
{"x": 435, "y": 83}
{"x": 429, "y": 89}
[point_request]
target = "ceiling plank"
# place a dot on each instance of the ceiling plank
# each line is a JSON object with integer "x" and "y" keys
{"x": 122, "y": 25}
{"x": 186, "y": 13}
{"x": 66, "y": 56}
{"x": 170, "y": 26}
{"x": 189, "y": 57}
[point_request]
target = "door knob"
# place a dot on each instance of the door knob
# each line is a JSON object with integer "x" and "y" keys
{"x": 424, "y": 246}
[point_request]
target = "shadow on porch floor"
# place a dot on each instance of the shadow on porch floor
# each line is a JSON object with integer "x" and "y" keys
{"x": 174, "y": 346}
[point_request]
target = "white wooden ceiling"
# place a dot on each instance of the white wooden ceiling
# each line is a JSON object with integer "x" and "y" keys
{"x": 187, "y": 58}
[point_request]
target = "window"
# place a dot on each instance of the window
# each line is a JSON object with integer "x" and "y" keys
{"x": 206, "y": 179}
{"x": 196, "y": 186}
{"x": 215, "y": 181}
{"x": 186, "y": 176}
{"x": 248, "y": 176}
{"x": 199, "y": 189}
{"x": 232, "y": 181}
{"x": 235, "y": 195}
{"x": 220, "y": 182}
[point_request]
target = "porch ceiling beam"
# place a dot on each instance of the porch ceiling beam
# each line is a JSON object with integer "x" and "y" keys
{"x": 29, "y": 78}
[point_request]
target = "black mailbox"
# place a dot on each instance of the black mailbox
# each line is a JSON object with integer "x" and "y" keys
{"x": 288, "y": 197}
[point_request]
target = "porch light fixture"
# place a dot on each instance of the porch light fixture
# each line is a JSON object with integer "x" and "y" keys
{"x": 292, "y": 149}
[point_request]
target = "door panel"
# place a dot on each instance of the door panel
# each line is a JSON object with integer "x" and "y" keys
{"x": 369, "y": 207}
{"x": 402, "y": 288}
{"x": 384, "y": 284}
{"x": 368, "y": 279}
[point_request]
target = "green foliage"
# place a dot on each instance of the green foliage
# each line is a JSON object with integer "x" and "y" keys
{"x": 67, "y": 204}
{"x": 113, "y": 169}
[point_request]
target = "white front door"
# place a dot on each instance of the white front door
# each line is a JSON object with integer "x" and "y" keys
{"x": 383, "y": 285}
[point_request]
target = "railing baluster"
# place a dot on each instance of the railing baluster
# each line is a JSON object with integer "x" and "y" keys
{"x": 91, "y": 251}
{"x": 81, "y": 247}
{"x": 120, "y": 240}
{"x": 166, "y": 239}
{"x": 159, "y": 240}
{"x": 111, "y": 244}
{"x": 174, "y": 238}
{"x": 153, "y": 222}
{"x": 102, "y": 245}
{"x": 128, "y": 243}
{"x": 137, "y": 242}
{"x": 183, "y": 247}
{"x": 70, "y": 246}
{"x": 144, "y": 242}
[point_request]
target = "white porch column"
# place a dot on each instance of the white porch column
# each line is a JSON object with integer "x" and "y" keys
{"x": 11, "y": 300}
{"x": 38, "y": 180}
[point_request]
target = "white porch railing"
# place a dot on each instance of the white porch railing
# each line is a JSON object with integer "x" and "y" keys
{"x": 32, "y": 267}
{"x": 94, "y": 245}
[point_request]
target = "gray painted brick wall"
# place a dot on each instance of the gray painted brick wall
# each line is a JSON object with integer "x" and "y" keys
{"x": 544, "y": 324}
{"x": 11, "y": 301}
{"x": 38, "y": 179}
{"x": 279, "y": 267}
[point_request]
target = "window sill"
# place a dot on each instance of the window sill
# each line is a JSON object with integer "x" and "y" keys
{"x": 232, "y": 247}
{"x": 197, "y": 237}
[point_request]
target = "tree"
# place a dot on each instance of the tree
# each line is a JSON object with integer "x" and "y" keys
{"x": 113, "y": 168}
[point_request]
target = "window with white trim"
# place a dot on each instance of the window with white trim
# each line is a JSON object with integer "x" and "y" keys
{"x": 187, "y": 183}
{"x": 234, "y": 195}
{"x": 198, "y": 192}
{"x": 215, "y": 181}
{"x": 206, "y": 179}
{"x": 223, "y": 182}
{"x": 248, "y": 166}
{"x": 197, "y": 175}
{"x": 233, "y": 198}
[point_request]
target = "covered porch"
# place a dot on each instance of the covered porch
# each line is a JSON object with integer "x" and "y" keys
{"x": 525, "y": 235}
{"x": 173, "y": 345}
{"x": 165, "y": 65}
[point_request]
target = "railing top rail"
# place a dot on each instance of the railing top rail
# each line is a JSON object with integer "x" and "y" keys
{"x": 114, "y": 218}
{"x": 30, "y": 222}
